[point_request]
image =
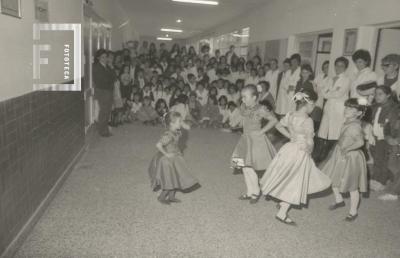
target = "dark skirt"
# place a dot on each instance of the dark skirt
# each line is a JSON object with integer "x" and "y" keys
{"x": 126, "y": 91}
{"x": 348, "y": 173}
{"x": 255, "y": 151}
{"x": 170, "y": 173}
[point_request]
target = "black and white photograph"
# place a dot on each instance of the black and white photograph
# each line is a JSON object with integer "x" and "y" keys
{"x": 199, "y": 128}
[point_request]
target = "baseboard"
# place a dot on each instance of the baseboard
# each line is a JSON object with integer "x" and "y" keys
{"x": 14, "y": 246}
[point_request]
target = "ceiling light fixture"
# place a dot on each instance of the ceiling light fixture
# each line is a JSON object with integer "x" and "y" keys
{"x": 171, "y": 30}
{"x": 123, "y": 24}
{"x": 179, "y": 21}
{"x": 161, "y": 38}
{"x": 197, "y": 2}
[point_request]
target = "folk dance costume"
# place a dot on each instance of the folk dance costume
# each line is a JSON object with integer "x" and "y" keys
{"x": 170, "y": 173}
{"x": 292, "y": 174}
{"x": 253, "y": 150}
{"x": 348, "y": 171}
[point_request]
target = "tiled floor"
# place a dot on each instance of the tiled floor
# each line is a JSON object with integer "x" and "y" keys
{"x": 106, "y": 209}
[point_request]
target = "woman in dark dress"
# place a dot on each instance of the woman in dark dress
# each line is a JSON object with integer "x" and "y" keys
{"x": 103, "y": 78}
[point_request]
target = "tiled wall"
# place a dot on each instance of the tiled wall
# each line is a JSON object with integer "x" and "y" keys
{"x": 40, "y": 133}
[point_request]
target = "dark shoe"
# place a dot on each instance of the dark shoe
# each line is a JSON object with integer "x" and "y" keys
{"x": 286, "y": 221}
{"x": 254, "y": 198}
{"x": 336, "y": 206}
{"x": 244, "y": 197}
{"x": 351, "y": 218}
{"x": 163, "y": 201}
{"x": 237, "y": 171}
{"x": 175, "y": 200}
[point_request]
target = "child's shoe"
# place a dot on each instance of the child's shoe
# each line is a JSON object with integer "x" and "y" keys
{"x": 163, "y": 201}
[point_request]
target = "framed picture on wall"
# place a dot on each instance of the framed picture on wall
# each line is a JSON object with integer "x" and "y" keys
{"x": 42, "y": 11}
{"x": 325, "y": 44}
{"x": 11, "y": 7}
{"x": 350, "y": 41}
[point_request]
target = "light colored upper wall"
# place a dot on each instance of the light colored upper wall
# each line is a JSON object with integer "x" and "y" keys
{"x": 113, "y": 12}
{"x": 168, "y": 44}
{"x": 281, "y": 18}
{"x": 16, "y": 44}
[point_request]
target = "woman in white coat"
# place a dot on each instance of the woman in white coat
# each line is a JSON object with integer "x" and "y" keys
{"x": 321, "y": 81}
{"x": 336, "y": 94}
{"x": 272, "y": 78}
{"x": 365, "y": 75}
{"x": 288, "y": 86}
{"x": 281, "y": 99}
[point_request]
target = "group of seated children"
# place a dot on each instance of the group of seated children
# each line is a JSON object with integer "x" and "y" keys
{"x": 204, "y": 104}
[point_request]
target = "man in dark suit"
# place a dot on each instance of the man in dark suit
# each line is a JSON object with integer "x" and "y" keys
{"x": 103, "y": 79}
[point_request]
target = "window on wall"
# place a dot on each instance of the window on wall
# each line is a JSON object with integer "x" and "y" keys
{"x": 314, "y": 48}
{"x": 237, "y": 38}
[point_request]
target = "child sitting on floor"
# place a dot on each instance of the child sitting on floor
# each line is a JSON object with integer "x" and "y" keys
{"x": 161, "y": 107}
{"x": 147, "y": 114}
{"x": 233, "y": 121}
{"x": 210, "y": 113}
{"x": 134, "y": 106}
{"x": 194, "y": 107}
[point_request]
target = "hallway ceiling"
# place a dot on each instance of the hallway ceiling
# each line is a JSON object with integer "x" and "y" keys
{"x": 149, "y": 16}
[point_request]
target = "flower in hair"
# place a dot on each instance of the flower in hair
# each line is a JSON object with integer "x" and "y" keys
{"x": 300, "y": 96}
{"x": 362, "y": 101}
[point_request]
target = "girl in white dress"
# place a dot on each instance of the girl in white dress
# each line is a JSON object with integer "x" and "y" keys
{"x": 292, "y": 174}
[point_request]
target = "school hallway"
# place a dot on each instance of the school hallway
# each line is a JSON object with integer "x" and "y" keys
{"x": 107, "y": 209}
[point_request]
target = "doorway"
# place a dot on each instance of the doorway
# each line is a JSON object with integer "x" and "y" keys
{"x": 96, "y": 35}
{"x": 314, "y": 48}
{"x": 387, "y": 43}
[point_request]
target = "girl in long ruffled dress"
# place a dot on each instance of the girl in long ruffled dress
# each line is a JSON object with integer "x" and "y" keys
{"x": 254, "y": 151}
{"x": 292, "y": 174}
{"x": 168, "y": 170}
{"x": 347, "y": 166}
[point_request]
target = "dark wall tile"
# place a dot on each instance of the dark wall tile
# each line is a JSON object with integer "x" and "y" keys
{"x": 40, "y": 133}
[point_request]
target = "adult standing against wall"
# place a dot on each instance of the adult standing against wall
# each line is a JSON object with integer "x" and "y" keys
{"x": 336, "y": 93}
{"x": 103, "y": 79}
{"x": 365, "y": 75}
{"x": 288, "y": 84}
{"x": 272, "y": 78}
{"x": 282, "y": 87}
{"x": 390, "y": 66}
